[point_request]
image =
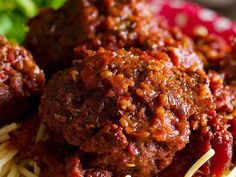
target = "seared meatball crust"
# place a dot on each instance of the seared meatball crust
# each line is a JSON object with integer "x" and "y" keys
{"x": 131, "y": 111}
{"x": 56, "y": 37}
{"x": 21, "y": 79}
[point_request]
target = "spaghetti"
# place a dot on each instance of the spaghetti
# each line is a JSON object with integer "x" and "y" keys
{"x": 11, "y": 167}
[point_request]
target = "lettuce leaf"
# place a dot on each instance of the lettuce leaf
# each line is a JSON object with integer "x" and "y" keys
{"x": 15, "y": 13}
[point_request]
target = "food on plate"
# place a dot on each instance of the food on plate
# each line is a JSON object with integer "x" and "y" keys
{"x": 21, "y": 80}
{"x": 56, "y": 36}
{"x": 126, "y": 108}
{"x": 126, "y": 96}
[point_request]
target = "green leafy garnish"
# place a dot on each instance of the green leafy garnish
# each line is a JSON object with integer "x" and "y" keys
{"x": 15, "y": 13}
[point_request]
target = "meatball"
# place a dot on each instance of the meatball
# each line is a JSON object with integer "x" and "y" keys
{"x": 228, "y": 65}
{"x": 20, "y": 81}
{"x": 217, "y": 55}
{"x": 212, "y": 47}
{"x": 129, "y": 111}
{"x": 56, "y": 37}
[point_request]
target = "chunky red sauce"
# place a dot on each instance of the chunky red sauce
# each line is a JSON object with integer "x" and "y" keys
{"x": 150, "y": 109}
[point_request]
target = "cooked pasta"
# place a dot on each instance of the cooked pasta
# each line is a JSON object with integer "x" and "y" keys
{"x": 11, "y": 167}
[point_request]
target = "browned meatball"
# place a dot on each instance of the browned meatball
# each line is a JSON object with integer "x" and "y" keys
{"x": 228, "y": 65}
{"x": 129, "y": 111}
{"x": 20, "y": 79}
{"x": 218, "y": 55}
{"x": 212, "y": 47}
{"x": 56, "y": 36}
